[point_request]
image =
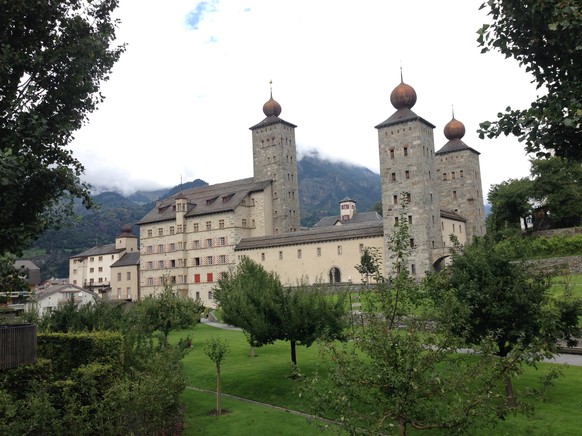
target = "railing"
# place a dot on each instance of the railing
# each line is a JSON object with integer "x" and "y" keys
{"x": 17, "y": 345}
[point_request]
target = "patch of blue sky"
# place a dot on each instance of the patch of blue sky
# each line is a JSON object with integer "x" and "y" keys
{"x": 194, "y": 17}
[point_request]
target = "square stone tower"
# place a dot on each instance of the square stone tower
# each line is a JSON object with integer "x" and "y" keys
{"x": 459, "y": 179}
{"x": 275, "y": 159}
{"x": 407, "y": 165}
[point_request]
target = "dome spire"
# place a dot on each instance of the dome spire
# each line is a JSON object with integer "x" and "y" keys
{"x": 454, "y": 128}
{"x": 271, "y": 108}
{"x": 403, "y": 96}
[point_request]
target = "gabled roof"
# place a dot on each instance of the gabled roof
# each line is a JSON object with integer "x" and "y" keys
{"x": 402, "y": 116}
{"x": 314, "y": 235}
{"x": 455, "y": 145}
{"x": 205, "y": 200}
{"x": 357, "y": 218}
{"x": 99, "y": 251}
{"x": 127, "y": 259}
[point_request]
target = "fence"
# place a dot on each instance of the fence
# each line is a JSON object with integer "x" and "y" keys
{"x": 17, "y": 345}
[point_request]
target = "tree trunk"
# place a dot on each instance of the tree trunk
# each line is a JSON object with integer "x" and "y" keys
{"x": 509, "y": 395}
{"x": 251, "y": 350}
{"x": 218, "y": 408}
{"x": 401, "y": 427}
{"x": 293, "y": 353}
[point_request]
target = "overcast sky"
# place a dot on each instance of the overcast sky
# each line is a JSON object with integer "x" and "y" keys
{"x": 195, "y": 76}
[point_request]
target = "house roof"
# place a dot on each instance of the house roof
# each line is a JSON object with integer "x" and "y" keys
{"x": 452, "y": 215}
{"x": 127, "y": 259}
{"x": 314, "y": 235}
{"x": 66, "y": 288}
{"x": 99, "y": 250}
{"x": 27, "y": 264}
{"x": 357, "y": 218}
{"x": 205, "y": 200}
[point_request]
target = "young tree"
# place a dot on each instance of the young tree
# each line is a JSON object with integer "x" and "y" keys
{"x": 164, "y": 312}
{"x": 544, "y": 37}
{"x": 217, "y": 349}
{"x": 507, "y": 301}
{"x": 254, "y": 300}
{"x": 54, "y": 56}
{"x": 308, "y": 313}
{"x": 401, "y": 370}
{"x": 249, "y": 297}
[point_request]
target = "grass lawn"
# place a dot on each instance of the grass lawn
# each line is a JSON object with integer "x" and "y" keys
{"x": 573, "y": 282}
{"x": 264, "y": 379}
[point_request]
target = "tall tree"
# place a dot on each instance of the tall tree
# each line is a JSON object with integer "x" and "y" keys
{"x": 506, "y": 301}
{"x": 510, "y": 205}
{"x": 543, "y": 36}
{"x": 557, "y": 184}
{"x": 54, "y": 56}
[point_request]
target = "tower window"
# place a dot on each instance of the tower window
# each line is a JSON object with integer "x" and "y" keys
{"x": 395, "y": 220}
{"x": 391, "y": 153}
{"x": 455, "y": 195}
{"x": 395, "y": 198}
{"x": 393, "y": 177}
{"x": 453, "y": 175}
{"x": 444, "y": 176}
{"x": 461, "y": 174}
{"x": 409, "y": 219}
{"x": 411, "y": 242}
{"x": 407, "y": 174}
{"x": 405, "y": 151}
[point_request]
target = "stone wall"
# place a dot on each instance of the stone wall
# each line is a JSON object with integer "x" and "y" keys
{"x": 570, "y": 231}
{"x": 572, "y": 263}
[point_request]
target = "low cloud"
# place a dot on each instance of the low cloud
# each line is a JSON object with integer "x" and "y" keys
{"x": 203, "y": 8}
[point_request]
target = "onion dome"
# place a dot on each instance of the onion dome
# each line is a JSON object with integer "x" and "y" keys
{"x": 454, "y": 129}
{"x": 272, "y": 108}
{"x": 126, "y": 228}
{"x": 403, "y": 96}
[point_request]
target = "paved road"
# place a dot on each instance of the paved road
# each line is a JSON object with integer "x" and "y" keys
{"x": 570, "y": 359}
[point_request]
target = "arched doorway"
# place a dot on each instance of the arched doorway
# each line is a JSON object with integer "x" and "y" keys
{"x": 335, "y": 275}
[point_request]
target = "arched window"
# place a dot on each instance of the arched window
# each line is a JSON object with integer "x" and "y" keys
{"x": 335, "y": 275}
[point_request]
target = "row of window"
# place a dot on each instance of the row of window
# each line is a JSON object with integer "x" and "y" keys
{"x": 181, "y": 279}
{"x": 171, "y": 247}
{"x": 454, "y": 175}
{"x": 92, "y": 259}
{"x": 127, "y": 293}
{"x": 221, "y": 259}
{"x": 339, "y": 251}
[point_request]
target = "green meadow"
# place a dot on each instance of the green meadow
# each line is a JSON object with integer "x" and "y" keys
{"x": 253, "y": 385}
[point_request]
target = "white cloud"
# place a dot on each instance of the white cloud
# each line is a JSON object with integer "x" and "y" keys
{"x": 196, "y": 74}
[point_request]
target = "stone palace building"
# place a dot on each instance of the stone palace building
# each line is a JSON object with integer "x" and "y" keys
{"x": 195, "y": 236}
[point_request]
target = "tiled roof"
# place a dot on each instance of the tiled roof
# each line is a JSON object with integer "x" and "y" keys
{"x": 205, "y": 200}
{"x": 99, "y": 251}
{"x": 357, "y": 218}
{"x": 315, "y": 235}
{"x": 127, "y": 259}
{"x": 401, "y": 116}
{"x": 455, "y": 145}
